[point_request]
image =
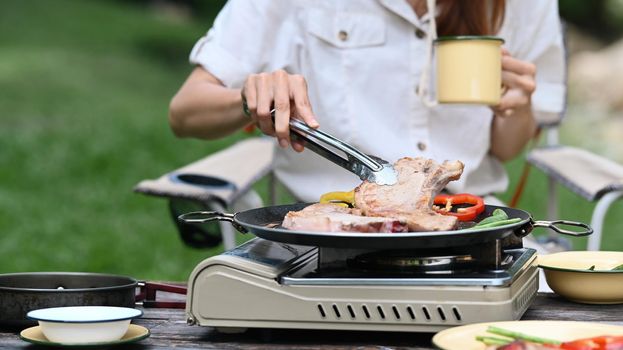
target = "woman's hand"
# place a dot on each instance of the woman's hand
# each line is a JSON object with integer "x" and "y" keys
{"x": 287, "y": 93}
{"x": 514, "y": 124}
{"x": 518, "y": 79}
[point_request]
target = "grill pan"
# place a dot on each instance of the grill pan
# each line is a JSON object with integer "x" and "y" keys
{"x": 266, "y": 222}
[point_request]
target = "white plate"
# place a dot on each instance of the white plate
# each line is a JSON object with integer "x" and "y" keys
{"x": 84, "y": 314}
{"x": 35, "y": 335}
{"x": 464, "y": 337}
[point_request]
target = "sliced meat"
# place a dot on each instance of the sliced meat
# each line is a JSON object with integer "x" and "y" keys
{"x": 521, "y": 345}
{"x": 334, "y": 218}
{"x": 411, "y": 198}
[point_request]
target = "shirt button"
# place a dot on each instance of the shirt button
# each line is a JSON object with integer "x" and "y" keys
{"x": 419, "y": 33}
{"x": 421, "y": 146}
{"x": 342, "y": 35}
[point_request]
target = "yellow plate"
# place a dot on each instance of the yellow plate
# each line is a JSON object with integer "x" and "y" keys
{"x": 568, "y": 274}
{"x": 464, "y": 337}
{"x": 35, "y": 335}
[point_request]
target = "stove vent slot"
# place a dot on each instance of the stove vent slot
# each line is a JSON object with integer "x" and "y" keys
{"x": 457, "y": 314}
{"x": 396, "y": 313}
{"x": 351, "y": 311}
{"x": 321, "y": 310}
{"x": 442, "y": 313}
{"x": 337, "y": 311}
{"x": 379, "y": 308}
{"x": 365, "y": 311}
{"x": 426, "y": 313}
{"x": 523, "y": 300}
{"x": 411, "y": 313}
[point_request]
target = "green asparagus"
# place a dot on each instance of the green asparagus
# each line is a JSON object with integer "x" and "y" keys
{"x": 497, "y": 215}
{"x": 493, "y": 340}
{"x": 618, "y": 268}
{"x": 522, "y": 336}
{"x": 499, "y": 223}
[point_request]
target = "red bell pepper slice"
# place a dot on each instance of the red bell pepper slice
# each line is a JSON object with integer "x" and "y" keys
{"x": 605, "y": 342}
{"x": 463, "y": 214}
{"x": 611, "y": 342}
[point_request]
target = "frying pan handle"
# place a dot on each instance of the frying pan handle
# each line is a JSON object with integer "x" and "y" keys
{"x": 553, "y": 225}
{"x": 201, "y": 217}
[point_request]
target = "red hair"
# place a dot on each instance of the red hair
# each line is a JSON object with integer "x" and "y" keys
{"x": 470, "y": 17}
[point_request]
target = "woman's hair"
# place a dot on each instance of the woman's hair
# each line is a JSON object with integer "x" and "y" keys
{"x": 469, "y": 17}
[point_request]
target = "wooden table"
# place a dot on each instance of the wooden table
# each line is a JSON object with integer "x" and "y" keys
{"x": 169, "y": 330}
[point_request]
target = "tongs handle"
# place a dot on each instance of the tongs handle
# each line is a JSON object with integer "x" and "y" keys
{"x": 317, "y": 141}
{"x": 366, "y": 167}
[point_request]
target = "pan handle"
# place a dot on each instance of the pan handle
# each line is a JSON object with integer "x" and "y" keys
{"x": 553, "y": 225}
{"x": 201, "y": 217}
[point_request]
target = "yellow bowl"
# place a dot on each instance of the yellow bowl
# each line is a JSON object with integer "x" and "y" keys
{"x": 568, "y": 274}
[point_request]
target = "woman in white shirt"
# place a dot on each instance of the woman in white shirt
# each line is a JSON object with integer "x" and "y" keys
{"x": 358, "y": 64}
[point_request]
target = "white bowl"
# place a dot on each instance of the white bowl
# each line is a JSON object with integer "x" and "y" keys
{"x": 84, "y": 324}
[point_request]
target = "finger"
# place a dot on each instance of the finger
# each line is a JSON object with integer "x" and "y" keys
{"x": 298, "y": 91}
{"x": 523, "y": 82}
{"x": 513, "y": 99}
{"x": 298, "y": 146}
{"x": 264, "y": 90}
{"x": 297, "y": 143}
{"x": 504, "y": 113}
{"x": 497, "y": 110}
{"x": 518, "y": 66}
{"x": 281, "y": 92}
{"x": 505, "y": 52}
{"x": 502, "y": 109}
{"x": 250, "y": 94}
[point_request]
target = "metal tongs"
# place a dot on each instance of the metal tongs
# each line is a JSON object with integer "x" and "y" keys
{"x": 367, "y": 167}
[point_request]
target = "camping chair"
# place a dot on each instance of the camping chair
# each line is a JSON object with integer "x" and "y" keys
{"x": 587, "y": 174}
{"x": 220, "y": 182}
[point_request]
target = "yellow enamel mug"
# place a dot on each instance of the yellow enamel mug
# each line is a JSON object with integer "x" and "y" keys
{"x": 469, "y": 69}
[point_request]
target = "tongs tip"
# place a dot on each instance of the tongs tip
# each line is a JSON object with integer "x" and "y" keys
{"x": 386, "y": 176}
{"x": 367, "y": 167}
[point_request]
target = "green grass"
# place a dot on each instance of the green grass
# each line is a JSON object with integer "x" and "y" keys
{"x": 85, "y": 88}
{"x": 84, "y": 92}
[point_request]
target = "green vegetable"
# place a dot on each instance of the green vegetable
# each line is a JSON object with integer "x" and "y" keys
{"x": 497, "y": 215}
{"x": 499, "y": 223}
{"x": 522, "y": 336}
{"x": 497, "y": 218}
{"x": 618, "y": 268}
{"x": 493, "y": 340}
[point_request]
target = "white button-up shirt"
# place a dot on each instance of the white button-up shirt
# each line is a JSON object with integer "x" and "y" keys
{"x": 362, "y": 60}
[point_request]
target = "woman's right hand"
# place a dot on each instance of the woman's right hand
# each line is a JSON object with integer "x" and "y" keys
{"x": 287, "y": 93}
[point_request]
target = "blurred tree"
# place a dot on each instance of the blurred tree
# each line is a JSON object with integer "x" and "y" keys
{"x": 201, "y": 9}
{"x": 600, "y": 18}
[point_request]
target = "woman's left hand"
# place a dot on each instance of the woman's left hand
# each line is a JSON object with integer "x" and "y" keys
{"x": 518, "y": 79}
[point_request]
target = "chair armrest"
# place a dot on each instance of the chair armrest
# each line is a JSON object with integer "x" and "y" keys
{"x": 585, "y": 173}
{"x": 223, "y": 176}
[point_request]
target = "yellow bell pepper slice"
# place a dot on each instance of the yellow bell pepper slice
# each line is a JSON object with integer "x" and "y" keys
{"x": 340, "y": 198}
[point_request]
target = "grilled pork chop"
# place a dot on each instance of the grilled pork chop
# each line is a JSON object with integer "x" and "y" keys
{"x": 333, "y": 218}
{"x": 411, "y": 198}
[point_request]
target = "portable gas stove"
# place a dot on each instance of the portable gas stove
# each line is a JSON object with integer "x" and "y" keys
{"x": 265, "y": 284}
